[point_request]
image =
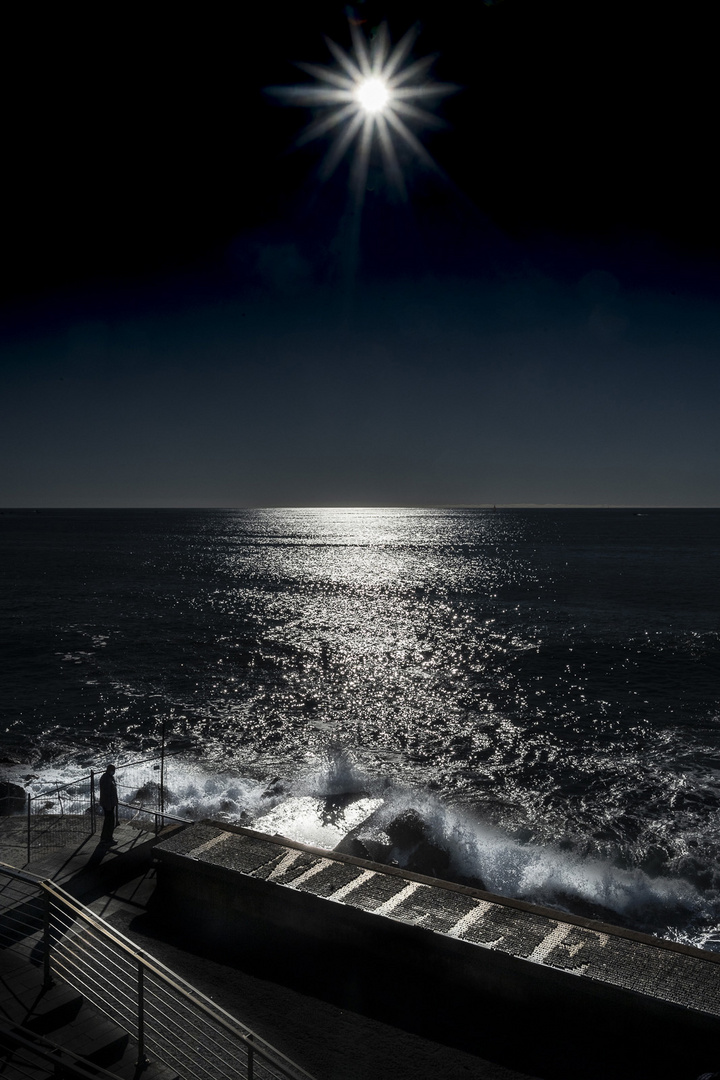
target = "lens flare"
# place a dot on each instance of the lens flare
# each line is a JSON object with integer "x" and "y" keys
{"x": 371, "y": 96}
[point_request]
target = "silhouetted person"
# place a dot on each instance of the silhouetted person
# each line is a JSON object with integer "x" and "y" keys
{"x": 109, "y": 803}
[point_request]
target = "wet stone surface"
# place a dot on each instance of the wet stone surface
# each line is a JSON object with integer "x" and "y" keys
{"x": 687, "y": 979}
{"x": 188, "y": 840}
{"x": 434, "y": 908}
{"x": 518, "y": 932}
{"x": 376, "y": 891}
{"x": 246, "y": 860}
{"x": 575, "y": 951}
{"x": 295, "y": 867}
{"x": 334, "y": 877}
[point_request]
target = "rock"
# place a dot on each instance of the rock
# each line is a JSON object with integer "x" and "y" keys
{"x": 407, "y": 829}
{"x": 414, "y": 849}
{"x": 275, "y": 787}
{"x": 150, "y": 793}
{"x": 364, "y": 847}
{"x": 13, "y": 799}
{"x": 353, "y": 845}
{"x": 430, "y": 860}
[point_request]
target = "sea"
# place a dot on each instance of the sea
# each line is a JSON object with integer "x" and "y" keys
{"x": 536, "y": 690}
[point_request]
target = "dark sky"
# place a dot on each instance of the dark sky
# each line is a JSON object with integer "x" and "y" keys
{"x": 187, "y": 320}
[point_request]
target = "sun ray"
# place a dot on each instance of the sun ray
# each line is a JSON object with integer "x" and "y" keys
{"x": 362, "y": 160}
{"x": 344, "y": 60}
{"x": 311, "y": 95}
{"x": 419, "y": 68}
{"x": 436, "y": 90}
{"x": 337, "y": 151}
{"x": 390, "y": 159}
{"x": 371, "y": 98}
{"x": 361, "y": 52}
{"x": 380, "y": 48}
{"x": 400, "y": 52}
{"x": 323, "y": 74}
{"x": 414, "y": 143}
{"x": 327, "y": 123}
{"x": 412, "y": 112}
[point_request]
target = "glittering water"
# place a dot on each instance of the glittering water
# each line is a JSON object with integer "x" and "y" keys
{"x": 540, "y": 686}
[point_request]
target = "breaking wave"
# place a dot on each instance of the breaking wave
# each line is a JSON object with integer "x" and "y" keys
{"x": 332, "y": 802}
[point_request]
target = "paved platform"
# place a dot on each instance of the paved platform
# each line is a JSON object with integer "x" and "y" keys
{"x": 58, "y": 1013}
{"x": 340, "y": 1039}
{"x": 639, "y": 969}
{"x": 333, "y": 1041}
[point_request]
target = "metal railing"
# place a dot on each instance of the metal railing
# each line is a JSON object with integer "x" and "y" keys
{"x": 68, "y": 813}
{"x": 23, "y": 1053}
{"x": 166, "y": 1016}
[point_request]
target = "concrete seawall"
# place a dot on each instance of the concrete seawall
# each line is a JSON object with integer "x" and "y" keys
{"x": 474, "y": 953}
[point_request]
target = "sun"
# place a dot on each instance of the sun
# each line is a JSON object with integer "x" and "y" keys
{"x": 373, "y": 95}
{"x": 370, "y": 97}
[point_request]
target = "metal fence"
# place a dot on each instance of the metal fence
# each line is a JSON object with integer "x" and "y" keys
{"x": 31, "y": 1056}
{"x": 169, "y": 1019}
{"x": 69, "y": 813}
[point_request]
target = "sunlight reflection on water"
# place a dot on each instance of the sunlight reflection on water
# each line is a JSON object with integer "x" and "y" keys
{"x": 554, "y": 674}
{"x": 381, "y": 628}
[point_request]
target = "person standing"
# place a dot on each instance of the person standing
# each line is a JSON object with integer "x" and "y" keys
{"x": 109, "y": 804}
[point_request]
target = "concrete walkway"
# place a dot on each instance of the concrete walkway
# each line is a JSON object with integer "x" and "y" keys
{"x": 59, "y": 1014}
{"x": 341, "y": 1022}
{"x": 332, "y": 1038}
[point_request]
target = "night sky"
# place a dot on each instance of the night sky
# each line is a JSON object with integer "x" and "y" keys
{"x": 191, "y": 317}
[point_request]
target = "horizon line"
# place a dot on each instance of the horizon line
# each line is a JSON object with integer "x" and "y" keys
{"x": 380, "y": 506}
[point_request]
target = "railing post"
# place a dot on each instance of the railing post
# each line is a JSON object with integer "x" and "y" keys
{"x": 142, "y": 1060}
{"x": 47, "y": 975}
{"x": 251, "y": 1058}
{"x": 162, "y": 777}
{"x": 93, "y": 826}
{"x": 28, "y": 828}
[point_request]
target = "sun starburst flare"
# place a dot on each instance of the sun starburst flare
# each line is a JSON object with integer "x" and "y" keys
{"x": 370, "y": 97}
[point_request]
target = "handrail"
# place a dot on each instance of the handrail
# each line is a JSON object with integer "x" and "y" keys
{"x": 152, "y": 964}
{"x": 142, "y": 962}
{"x": 53, "y": 1053}
{"x": 81, "y": 791}
{"x": 23, "y": 875}
{"x": 84, "y": 779}
{"x": 154, "y": 813}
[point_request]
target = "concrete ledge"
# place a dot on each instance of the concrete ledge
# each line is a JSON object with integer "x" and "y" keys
{"x": 258, "y": 892}
{"x": 552, "y": 914}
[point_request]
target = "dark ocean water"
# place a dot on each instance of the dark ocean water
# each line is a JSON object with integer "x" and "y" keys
{"x": 541, "y": 686}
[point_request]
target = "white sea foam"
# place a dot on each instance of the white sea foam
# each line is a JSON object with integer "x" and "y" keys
{"x": 332, "y": 795}
{"x": 311, "y": 821}
{"x": 543, "y": 874}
